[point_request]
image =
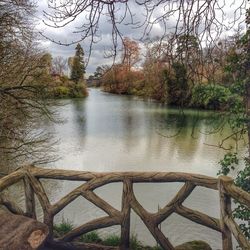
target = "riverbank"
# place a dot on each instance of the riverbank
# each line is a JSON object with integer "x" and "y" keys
{"x": 203, "y": 97}
{"x": 62, "y": 87}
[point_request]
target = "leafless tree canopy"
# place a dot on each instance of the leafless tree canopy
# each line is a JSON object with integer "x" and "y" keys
{"x": 203, "y": 19}
{"x": 59, "y": 65}
{"x": 21, "y": 102}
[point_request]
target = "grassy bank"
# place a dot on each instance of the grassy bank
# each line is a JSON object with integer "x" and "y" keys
{"x": 114, "y": 240}
{"x": 93, "y": 237}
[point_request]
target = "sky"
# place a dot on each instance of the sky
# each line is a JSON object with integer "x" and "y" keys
{"x": 97, "y": 58}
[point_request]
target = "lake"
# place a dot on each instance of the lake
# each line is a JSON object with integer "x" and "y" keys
{"x": 107, "y": 132}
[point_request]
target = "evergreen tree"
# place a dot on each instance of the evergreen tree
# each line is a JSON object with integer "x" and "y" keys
{"x": 177, "y": 84}
{"x": 78, "y": 66}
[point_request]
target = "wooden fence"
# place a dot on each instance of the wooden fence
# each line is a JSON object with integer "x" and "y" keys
{"x": 31, "y": 176}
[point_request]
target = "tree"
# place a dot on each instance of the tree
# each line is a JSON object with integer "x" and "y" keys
{"x": 78, "y": 65}
{"x": 130, "y": 53}
{"x": 187, "y": 46}
{"x": 122, "y": 77}
{"x": 22, "y": 88}
{"x": 156, "y": 62}
{"x": 100, "y": 71}
{"x": 203, "y": 19}
{"x": 177, "y": 84}
{"x": 59, "y": 64}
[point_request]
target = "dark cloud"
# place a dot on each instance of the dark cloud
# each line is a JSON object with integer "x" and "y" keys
{"x": 67, "y": 34}
{"x": 104, "y": 41}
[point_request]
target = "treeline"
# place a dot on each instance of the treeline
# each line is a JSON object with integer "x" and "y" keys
{"x": 58, "y": 83}
{"x": 178, "y": 71}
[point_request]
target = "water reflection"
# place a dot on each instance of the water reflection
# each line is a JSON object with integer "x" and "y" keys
{"x": 117, "y": 133}
{"x": 79, "y": 119}
{"x": 107, "y": 132}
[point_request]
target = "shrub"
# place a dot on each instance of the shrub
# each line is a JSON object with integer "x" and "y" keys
{"x": 112, "y": 240}
{"x": 135, "y": 244}
{"x": 177, "y": 84}
{"x": 62, "y": 228}
{"x": 78, "y": 90}
{"x": 211, "y": 96}
{"x": 60, "y": 91}
{"x": 64, "y": 79}
{"x": 91, "y": 237}
{"x": 241, "y": 212}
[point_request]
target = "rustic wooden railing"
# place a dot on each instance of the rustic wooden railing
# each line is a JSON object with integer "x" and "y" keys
{"x": 31, "y": 178}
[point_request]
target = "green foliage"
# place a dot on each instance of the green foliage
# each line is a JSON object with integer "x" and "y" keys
{"x": 232, "y": 64}
{"x": 243, "y": 177}
{"x": 237, "y": 65}
{"x": 187, "y": 44}
{"x": 177, "y": 84}
{"x": 112, "y": 240}
{"x": 64, "y": 79}
{"x": 78, "y": 90}
{"x": 229, "y": 162}
{"x": 63, "y": 228}
{"x": 78, "y": 66}
{"x": 242, "y": 180}
{"x": 61, "y": 92}
{"x": 135, "y": 244}
{"x": 69, "y": 91}
{"x": 242, "y": 212}
{"x": 211, "y": 96}
{"x": 238, "y": 87}
{"x": 100, "y": 70}
{"x": 194, "y": 245}
{"x": 91, "y": 237}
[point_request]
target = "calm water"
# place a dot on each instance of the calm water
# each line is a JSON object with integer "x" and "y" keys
{"x": 107, "y": 132}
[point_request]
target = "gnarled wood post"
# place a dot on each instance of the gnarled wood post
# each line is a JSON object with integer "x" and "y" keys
{"x": 126, "y": 209}
{"x": 29, "y": 199}
{"x": 225, "y": 211}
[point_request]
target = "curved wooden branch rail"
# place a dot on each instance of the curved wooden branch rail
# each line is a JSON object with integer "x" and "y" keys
{"x": 31, "y": 177}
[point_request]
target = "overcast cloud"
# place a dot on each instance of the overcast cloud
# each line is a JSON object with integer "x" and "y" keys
{"x": 67, "y": 35}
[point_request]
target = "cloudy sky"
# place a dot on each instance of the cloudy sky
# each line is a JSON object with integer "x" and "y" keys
{"x": 66, "y": 34}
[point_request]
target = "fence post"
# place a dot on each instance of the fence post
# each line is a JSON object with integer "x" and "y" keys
{"x": 29, "y": 199}
{"x": 225, "y": 211}
{"x": 126, "y": 209}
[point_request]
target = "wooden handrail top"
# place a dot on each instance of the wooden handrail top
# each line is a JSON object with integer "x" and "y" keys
{"x": 135, "y": 177}
{"x": 10, "y": 179}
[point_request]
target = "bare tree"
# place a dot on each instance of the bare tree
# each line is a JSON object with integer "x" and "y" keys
{"x": 130, "y": 53}
{"x": 199, "y": 18}
{"x": 59, "y": 65}
{"x": 22, "y": 87}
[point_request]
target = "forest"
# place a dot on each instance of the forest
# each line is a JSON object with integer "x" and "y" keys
{"x": 179, "y": 72}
